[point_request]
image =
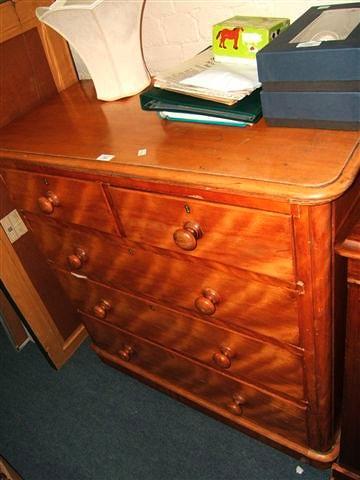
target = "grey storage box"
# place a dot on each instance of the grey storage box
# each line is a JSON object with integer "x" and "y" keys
{"x": 311, "y": 72}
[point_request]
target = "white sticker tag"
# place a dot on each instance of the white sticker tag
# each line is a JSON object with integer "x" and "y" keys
{"x": 142, "y": 152}
{"x": 13, "y": 226}
{"x": 105, "y": 157}
{"x": 312, "y": 43}
{"x": 77, "y": 275}
{"x": 299, "y": 470}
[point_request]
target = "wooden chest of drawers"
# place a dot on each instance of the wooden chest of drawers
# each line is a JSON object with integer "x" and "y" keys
{"x": 206, "y": 267}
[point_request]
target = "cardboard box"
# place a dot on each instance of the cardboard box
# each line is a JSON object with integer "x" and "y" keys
{"x": 310, "y": 75}
{"x": 330, "y": 110}
{"x": 321, "y": 46}
{"x": 242, "y": 37}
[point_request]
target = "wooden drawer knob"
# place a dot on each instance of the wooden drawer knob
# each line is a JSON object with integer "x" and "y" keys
{"x": 48, "y": 202}
{"x": 235, "y": 406}
{"x": 206, "y": 303}
{"x": 100, "y": 310}
{"x": 77, "y": 259}
{"x": 126, "y": 353}
{"x": 223, "y": 358}
{"x": 187, "y": 237}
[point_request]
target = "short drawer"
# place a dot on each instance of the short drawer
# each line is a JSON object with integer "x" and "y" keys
{"x": 74, "y": 201}
{"x": 251, "y": 239}
{"x": 242, "y": 302}
{"x": 238, "y": 355}
{"x": 239, "y": 400}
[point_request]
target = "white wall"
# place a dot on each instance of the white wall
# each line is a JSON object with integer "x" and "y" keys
{"x": 174, "y": 30}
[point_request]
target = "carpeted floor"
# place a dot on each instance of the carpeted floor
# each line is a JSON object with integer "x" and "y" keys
{"x": 90, "y": 422}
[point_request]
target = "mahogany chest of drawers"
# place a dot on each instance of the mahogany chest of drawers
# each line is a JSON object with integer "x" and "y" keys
{"x": 205, "y": 267}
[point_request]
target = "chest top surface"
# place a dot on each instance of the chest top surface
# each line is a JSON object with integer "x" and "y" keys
{"x": 72, "y": 129}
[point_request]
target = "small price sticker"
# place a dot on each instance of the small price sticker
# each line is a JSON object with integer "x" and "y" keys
{"x": 142, "y": 152}
{"x": 13, "y": 226}
{"x": 105, "y": 157}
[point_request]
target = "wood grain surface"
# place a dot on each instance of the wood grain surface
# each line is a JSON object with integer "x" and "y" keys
{"x": 79, "y": 202}
{"x": 245, "y": 303}
{"x": 26, "y": 81}
{"x": 348, "y": 463}
{"x": 50, "y": 331}
{"x": 255, "y": 360}
{"x": 259, "y": 407}
{"x": 25, "y": 251}
{"x": 314, "y": 258}
{"x": 298, "y": 164}
{"x": 235, "y": 236}
{"x": 13, "y": 321}
{"x": 246, "y": 323}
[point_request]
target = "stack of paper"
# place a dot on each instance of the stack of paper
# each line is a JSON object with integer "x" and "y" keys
{"x": 202, "y": 77}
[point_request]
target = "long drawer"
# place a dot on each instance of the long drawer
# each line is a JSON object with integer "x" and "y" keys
{"x": 242, "y": 302}
{"x": 251, "y": 239}
{"x": 69, "y": 200}
{"x": 241, "y": 356}
{"x": 245, "y": 403}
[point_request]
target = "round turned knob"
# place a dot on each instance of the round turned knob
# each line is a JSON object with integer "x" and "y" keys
{"x": 100, "y": 310}
{"x": 223, "y": 358}
{"x": 186, "y": 237}
{"x": 48, "y": 202}
{"x": 207, "y": 302}
{"x": 235, "y": 406}
{"x": 126, "y": 353}
{"x": 239, "y": 399}
{"x": 77, "y": 259}
{"x": 235, "y": 409}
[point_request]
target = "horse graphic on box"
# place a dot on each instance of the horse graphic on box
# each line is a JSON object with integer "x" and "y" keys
{"x": 229, "y": 34}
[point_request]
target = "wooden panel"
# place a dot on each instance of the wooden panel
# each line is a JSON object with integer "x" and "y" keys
{"x": 245, "y": 303}
{"x": 33, "y": 306}
{"x": 313, "y": 240}
{"x": 44, "y": 81}
{"x": 354, "y": 270}
{"x": 350, "y": 439}
{"x": 25, "y": 10}
{"x": 55, "y": 47}
{"x": 26, "y": 81}
{"x": 256, "y": 360}
{"x": 12, "y": 320}
{"x": 79, "y": 202}
{"x": 348, "y": 466}
{"x": 42, "y": 278}
{"x": 270, "y": 412}
{"x": 9, "y": 22}
{"x": 250, "y": 239}
{"x": 347, "y": 210}
{"x": 7, "y": 472}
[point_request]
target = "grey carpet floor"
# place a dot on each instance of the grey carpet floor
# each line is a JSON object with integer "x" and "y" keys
{"x": 90, "y": 422}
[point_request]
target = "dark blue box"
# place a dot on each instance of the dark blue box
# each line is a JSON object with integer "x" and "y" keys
{"x": 319, "y": 52}
{"x": 332, "y": 110}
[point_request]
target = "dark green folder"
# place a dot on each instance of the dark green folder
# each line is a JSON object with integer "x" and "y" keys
{"x": 248, "y": 109}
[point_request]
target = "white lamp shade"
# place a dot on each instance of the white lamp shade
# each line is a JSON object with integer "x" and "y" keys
{"x": 107, "y": 36}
